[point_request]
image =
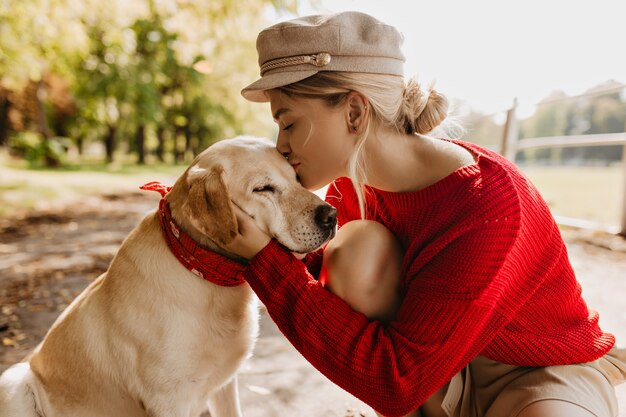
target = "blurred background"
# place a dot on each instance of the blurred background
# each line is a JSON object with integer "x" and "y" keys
{"x": 114, "y": 86}
{"x": 98, "y": 97}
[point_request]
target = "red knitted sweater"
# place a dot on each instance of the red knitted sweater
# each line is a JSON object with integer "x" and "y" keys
{"x": 485, "y": 273}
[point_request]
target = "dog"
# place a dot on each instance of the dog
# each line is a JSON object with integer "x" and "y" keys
{"x": 150, "y": 337}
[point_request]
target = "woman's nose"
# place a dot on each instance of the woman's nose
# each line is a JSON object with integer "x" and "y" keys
{"x": 282, "y": 145}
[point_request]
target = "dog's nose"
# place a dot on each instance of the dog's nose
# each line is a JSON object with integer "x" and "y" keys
{"x": 326, "y": 216}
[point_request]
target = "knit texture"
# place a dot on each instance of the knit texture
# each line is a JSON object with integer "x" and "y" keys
{"x": 485, "y": 272}
{"x": 203, "y": 263}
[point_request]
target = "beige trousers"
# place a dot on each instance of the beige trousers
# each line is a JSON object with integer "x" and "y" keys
{"x": 486, "y": 388}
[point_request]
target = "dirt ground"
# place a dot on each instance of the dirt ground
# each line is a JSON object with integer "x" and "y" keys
{"x": 47, "y": 257}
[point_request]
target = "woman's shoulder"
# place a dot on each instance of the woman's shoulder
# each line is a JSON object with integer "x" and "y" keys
{"x": 502, "y": 187}
{"x": 491, "y": 168}
{"x": 490, "y": 186}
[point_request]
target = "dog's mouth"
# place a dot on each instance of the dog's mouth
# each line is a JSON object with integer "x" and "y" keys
{"x": 308, "y": 242}
{"x": 306, "y": 237}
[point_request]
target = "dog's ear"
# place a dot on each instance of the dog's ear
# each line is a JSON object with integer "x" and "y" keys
{"x": 209, "y": 206}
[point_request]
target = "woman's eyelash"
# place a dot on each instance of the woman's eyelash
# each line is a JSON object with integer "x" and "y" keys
{"x": 288, "y": 127}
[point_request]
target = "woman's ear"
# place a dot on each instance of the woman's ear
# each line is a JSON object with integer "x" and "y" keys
{"x": 357, "y": 111}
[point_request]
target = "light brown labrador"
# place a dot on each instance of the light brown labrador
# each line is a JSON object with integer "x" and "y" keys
{"x": 148, "y": 338}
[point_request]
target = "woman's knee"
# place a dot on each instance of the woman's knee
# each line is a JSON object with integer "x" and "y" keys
{"x": 363, "y": 264}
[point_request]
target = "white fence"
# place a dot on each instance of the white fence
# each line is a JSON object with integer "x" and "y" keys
{"x": 510, "y": 144}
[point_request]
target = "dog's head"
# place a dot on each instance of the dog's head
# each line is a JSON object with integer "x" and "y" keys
{"x": 257, "y": 178}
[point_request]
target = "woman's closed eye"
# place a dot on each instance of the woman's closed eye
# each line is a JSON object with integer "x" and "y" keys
{"x": 289, "y": 126}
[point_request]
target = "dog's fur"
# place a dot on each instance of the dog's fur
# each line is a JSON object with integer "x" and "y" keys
{"x": 150, "y": 339}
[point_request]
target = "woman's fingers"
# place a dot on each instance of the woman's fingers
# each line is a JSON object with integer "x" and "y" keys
{"x": 240, "y": 215}
{"x": 250, "y": 239}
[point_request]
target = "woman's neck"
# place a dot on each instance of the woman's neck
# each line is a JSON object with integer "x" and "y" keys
{"x": 400, "y": 162}
{"x": 392, "y": 161}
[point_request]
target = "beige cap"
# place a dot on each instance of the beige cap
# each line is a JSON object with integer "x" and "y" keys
{"x": 350, "y": 41}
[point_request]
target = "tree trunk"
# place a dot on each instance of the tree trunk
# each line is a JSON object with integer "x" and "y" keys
{"x": 4, "y": 120}
{"x": 42, "y": 123}
{"x": 42, "y": 120}
{"x": 179, "y": 154}
{"x": 109, "y": 143}
{"x": 141, "y": 142}
{"x": 160, "y": 150}
{"x": 187, "y": 139}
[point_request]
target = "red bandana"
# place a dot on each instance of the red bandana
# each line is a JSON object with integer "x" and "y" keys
{"x": 203, "y": 263}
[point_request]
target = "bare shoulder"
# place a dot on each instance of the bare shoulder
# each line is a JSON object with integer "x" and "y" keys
{"x": 446, "y": 156}
{"x": 461, "y": 155}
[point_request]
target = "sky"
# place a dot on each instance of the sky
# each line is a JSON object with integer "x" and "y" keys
{"x": 489, "y": 52}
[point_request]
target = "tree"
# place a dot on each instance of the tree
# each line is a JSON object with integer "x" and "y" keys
{"x": 595, "y": 112}
{"x": 130, "y": 65}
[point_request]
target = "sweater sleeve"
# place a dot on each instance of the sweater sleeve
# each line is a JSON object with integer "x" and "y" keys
{"x": 334, "y": 196}
{"x": 452, "y": 307}
{"x": 313, "y": 262}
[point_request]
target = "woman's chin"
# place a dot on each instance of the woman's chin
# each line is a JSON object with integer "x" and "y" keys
{"x": 312, "y": 185}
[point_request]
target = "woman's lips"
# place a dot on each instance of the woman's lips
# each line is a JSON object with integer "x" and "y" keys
{"x": 295, "y": 167}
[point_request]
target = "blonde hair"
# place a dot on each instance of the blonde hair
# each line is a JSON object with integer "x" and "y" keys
{"x": 393, "y": 103}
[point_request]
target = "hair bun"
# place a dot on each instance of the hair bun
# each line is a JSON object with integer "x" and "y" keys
{"x": 422, "y": 111}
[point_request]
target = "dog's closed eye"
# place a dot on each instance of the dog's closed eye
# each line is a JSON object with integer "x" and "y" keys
{"x": 264, "y": 189}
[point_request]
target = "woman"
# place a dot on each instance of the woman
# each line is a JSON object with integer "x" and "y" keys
{"x": 464, "y": 303}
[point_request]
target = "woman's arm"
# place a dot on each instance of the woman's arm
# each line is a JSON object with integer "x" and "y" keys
{"x": 313, "y": 262}
{"x": 438, "y": 330}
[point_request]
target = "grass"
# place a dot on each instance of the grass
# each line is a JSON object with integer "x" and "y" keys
{"x": 589, "y": 193}
{"x": 87, "y": 166}
{"x": 32, "y": 188}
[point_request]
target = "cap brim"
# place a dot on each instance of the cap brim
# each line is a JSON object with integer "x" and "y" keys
{"x": 256, "y": 91}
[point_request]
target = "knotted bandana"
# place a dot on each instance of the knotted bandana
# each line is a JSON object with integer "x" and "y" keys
{"x": 205, "y": 264}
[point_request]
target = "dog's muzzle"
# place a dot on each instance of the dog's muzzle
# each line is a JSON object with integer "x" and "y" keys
{"x": 326, "y": 217}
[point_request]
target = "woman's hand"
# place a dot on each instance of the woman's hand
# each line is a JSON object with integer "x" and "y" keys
{"x": 250, "y": 238}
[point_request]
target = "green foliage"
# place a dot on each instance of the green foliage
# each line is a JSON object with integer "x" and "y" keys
{"x": 26, "y": 144}
{"x": 132, "y": 68}
{"x": 37, "y": 150}
{"x": 37, "y": 36}
{"x": 560, "y": 115}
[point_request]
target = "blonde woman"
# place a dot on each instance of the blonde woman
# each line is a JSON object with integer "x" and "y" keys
{"x": 447, "y": 290}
